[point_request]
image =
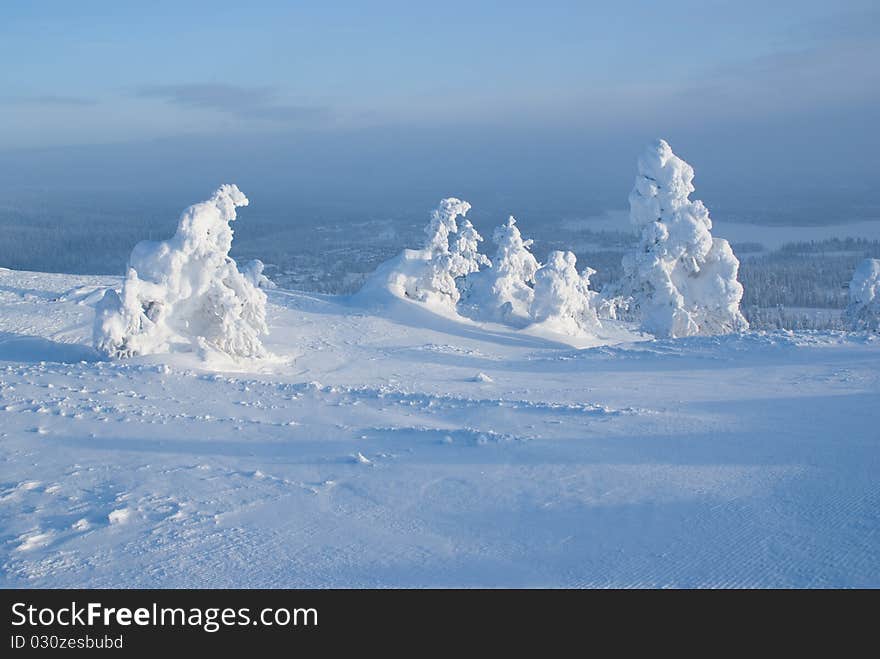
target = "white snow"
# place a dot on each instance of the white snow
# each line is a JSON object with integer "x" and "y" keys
{"x": 740, "y": 460}
{"x": 119, "y": 516}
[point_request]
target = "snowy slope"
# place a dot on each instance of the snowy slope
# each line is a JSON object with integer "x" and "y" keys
{"x": 394, "y": 447}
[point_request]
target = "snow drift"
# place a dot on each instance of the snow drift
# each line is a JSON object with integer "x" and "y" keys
{"x": 863, "y": 312}
{"x": 186, "y": 293}
{"x": 680, "y": 281}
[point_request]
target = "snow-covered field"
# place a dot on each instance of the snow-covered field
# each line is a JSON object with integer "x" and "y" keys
{"x": 394, "y": 447}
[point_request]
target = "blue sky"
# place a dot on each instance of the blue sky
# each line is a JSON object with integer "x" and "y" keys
{"x": 97, "y": 72}
{"x": 759, "y": 86}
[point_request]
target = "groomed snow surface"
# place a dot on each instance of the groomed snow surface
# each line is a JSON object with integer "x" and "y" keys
{"x": 386, "y": 445}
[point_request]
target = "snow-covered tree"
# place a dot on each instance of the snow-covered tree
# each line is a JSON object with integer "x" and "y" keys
{"x": 448, "y": 258}
{"x": 563, "y": 300}
{"x": 186, "y": 293}
{"x": 466, "y": 256}
{"x": 863, "y": 311}
{"x": 253, "y": 272}
{"x": 444, "y": 223}
{"x": 504, "y": 291}
{"x": 680, "y": 281}
{"x": 429, "y": 275}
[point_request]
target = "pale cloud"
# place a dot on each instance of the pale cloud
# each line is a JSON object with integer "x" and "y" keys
{"x": 51, "y": 100}
{"x": 258, "y": 103}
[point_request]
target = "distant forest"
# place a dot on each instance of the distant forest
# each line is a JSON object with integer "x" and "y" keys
{"x": 802, "y": 285}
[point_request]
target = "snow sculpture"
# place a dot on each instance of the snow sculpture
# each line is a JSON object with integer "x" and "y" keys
{"x": 186, "y": 293}
{"x": 563, "y": 300}
{"x": 863, "y": 312}
{"x": 680, "y": 280}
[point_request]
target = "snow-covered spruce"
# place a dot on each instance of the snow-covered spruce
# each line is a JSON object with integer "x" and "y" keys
{"x": 429, "y": 275}
{"x": 504, "y": 291}
{"x": 863, "y": 312}
{"x": 563, "y": 301}
{"x": 253, "y": 272}
{"x": 186, "y": 293}
{"x": 465, "y": 257}
{"x": 679, "y": 281}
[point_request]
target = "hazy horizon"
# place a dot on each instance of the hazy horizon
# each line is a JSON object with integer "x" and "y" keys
{"x": 527, "y": 110}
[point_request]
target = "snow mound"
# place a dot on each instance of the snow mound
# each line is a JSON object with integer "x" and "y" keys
{"x": 186, "y": 293}
{"x": 429, "y": 275}
{"x": 863, "y": 312}
{"x": 680, "y": 281}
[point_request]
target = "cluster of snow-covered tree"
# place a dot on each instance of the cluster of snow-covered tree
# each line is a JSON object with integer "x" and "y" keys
{"x": 450, "y": 273}
{"x": 678, "y": 281}
{"x": 188, "y": 293}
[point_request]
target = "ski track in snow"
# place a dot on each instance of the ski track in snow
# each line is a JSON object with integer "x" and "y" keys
{"x": 393, "y": 448}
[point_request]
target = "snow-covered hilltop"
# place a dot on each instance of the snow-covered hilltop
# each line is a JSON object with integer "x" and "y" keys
{"x": 679, "y": 281}
{"x": 187, "y": 293}
{"x": 463, "y": 420}
{"x": 399, "y": 447}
